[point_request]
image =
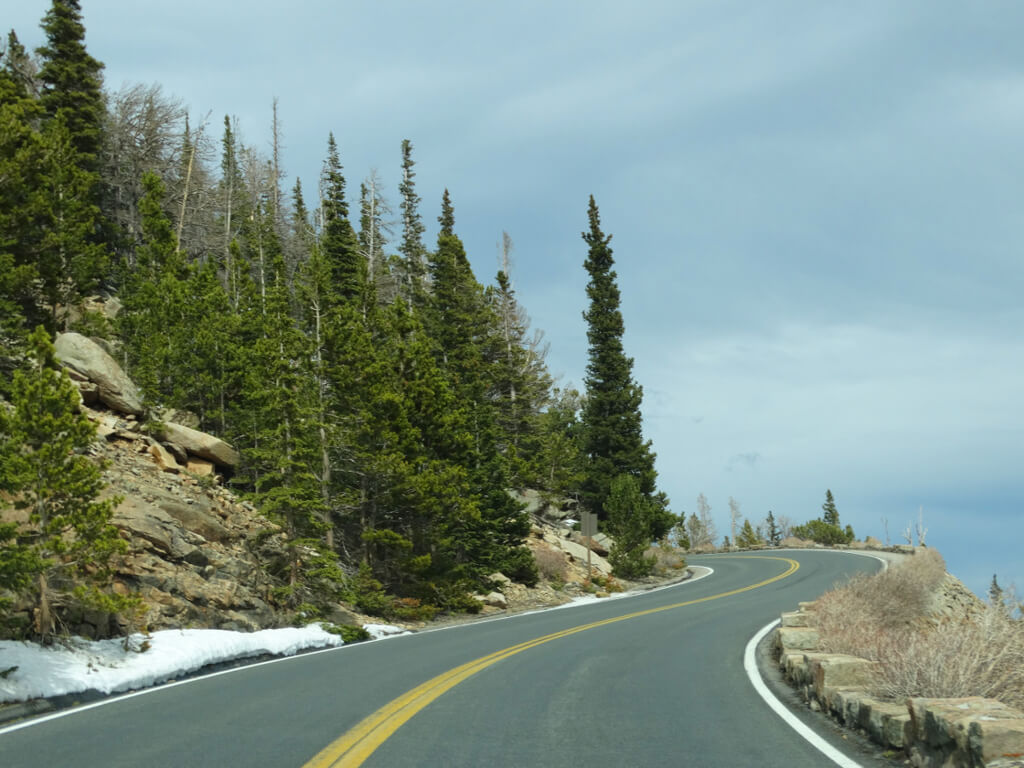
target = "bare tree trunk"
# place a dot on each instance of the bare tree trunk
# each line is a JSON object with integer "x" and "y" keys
{"x": 275, "y": 181}
{"x": 184, "y": 196}
{"x": 44, "y": 614}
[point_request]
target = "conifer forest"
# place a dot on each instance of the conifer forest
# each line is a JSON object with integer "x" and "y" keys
{"x": 383, "y": 398}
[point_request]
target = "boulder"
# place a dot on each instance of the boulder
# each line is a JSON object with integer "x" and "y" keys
{"x": 500, "y": 579}
{"x": 200, "y": 444}
{"x": 579, "y": 553}
{"x": 495, "y": 599}
{"x": 88, "y": 359}
{"x": 180, "y": 454}
{"x": 163, "y": 459}
{"x": 199, "y": 467}
{"x": 599, "y": 543}
{"x": 89, "y": 391}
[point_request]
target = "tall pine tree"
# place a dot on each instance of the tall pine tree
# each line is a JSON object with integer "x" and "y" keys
{"x": 411, "y": 248}
{"x": 72, "y": 80}
{"x": 612, "y": 422}
{"x": 338, "y": 239}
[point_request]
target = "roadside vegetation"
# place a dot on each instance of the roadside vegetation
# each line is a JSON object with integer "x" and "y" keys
{"x": 928, "y": 636}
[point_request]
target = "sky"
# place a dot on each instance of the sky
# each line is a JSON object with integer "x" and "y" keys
{"x": 816, "y": 211}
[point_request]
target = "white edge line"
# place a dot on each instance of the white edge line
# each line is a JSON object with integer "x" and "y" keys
{"x": 750, "y": 665}
{"x": 30, "y": 720}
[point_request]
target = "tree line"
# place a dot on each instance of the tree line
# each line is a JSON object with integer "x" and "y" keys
{"x": 384, "y": 401}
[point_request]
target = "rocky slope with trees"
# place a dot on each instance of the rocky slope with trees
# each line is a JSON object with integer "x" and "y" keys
{"x": 369, "y": 398}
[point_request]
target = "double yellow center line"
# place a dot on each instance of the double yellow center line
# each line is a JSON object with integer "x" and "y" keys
{"x": 354, "y": 747}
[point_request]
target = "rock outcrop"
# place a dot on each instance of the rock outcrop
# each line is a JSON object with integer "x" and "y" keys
{"x": 91, "y": 362}
{"x": 199, "y": 444}
{"x": 197, "y": 556}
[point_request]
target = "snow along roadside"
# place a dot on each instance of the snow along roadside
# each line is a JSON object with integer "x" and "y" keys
{"x": 104, "y": 666}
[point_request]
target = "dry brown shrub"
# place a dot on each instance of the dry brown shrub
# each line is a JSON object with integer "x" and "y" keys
{"x": 885, "y": 618}
{"x": 666, "y": 560}
{"x": 980, "y": 656}
{"x": 792, "y": 542}
{"x": 551, "y": 564}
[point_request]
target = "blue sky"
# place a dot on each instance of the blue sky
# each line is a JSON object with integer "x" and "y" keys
{"x": 816, "y": 208}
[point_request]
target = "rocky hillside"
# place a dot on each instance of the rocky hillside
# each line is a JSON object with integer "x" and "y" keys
{"x": 198, "y": 556}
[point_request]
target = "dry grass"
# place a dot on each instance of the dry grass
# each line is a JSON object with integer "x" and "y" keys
{"x": 888, "y": 618}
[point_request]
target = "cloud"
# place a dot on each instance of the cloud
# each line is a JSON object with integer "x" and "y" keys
{"x": 747, "y": 460}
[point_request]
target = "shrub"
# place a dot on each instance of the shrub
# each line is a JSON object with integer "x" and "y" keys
{"x": 823, "y": 533}
{"x": 666, "y": 560}
{"x": 412, "y": 609}
{"x": 886, "y": 618}
{"x": 349, "y": 632}
{"x": 551, "y": 564}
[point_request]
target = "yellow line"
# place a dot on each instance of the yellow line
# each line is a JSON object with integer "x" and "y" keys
{"x": 355, "y": 746}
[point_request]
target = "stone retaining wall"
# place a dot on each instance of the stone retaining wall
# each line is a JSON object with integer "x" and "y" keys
{"x": 933, "y": 733}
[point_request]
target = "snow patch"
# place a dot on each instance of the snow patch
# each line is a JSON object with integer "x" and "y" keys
{"x": 105, "y": 666}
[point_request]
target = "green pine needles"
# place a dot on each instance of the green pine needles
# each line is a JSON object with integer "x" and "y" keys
{"x": 67, "y": 539}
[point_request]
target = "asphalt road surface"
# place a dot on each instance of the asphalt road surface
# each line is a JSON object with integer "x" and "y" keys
{"x": 651, "y": 680}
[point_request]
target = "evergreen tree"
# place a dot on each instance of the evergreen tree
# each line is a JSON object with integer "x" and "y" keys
{"x": 612, "y": 423}
{"x": 71, "y": 257}
{"x": 233, "y": 204}
{"x": 411, "y": 249}
{"x": 72, "y": 81}
{"x": 774, "y": 534}
{"x": 287, "y": 445}
{"x": 831, "y": 515}
{"x": 21, "y": 205}
{"x": 557, "y": 463}
{"x": 155, "y": 296}
{"x": 747, "y": 536}
{"x": 338, "y": 240}
{"x": 460, "y": 325}
{"x": 43, "y": 471}
{"x": 996, "y": 593}
{"x": 520, "y": 382}
{"x": 631, "y": 522}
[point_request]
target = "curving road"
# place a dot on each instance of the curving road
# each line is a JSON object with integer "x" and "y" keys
{"x": 651, "y": 680}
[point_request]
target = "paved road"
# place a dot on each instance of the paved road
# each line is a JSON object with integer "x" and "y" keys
{"x": 663, "y": 688}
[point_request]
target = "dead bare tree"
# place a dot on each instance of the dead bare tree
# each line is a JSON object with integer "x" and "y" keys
{"x": 734, "y": 518}
{"x": 143, "y": 130}
{"x": 710, "y": 532}
{"x": 193, "y": 193}
{"x": 375, "y": 225}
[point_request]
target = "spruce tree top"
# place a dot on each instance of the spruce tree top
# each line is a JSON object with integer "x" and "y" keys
{"x": 447, "y": 217}
{"x": 72, "y": 79}
{"x": 831, "y": 515}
